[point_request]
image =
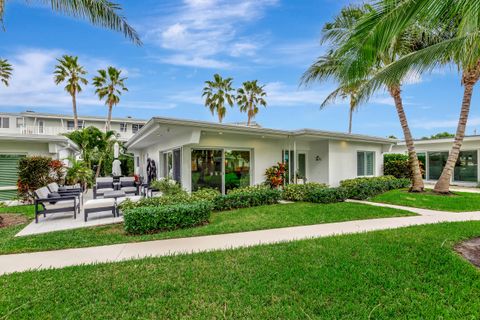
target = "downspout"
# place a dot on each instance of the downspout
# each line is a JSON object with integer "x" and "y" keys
{"x": 295, "y": 162}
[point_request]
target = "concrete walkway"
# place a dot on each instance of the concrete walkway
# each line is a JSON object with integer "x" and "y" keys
{"x": 158, "y": 248}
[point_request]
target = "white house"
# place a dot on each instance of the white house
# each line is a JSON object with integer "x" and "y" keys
{"x": 433, "y": 154}
{"x": 225, "y": 156}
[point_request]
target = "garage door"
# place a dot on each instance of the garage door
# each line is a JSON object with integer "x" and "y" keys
{"x": 8, "y": 175}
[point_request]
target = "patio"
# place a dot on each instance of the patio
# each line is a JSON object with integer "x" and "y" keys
{"x": 65, "y": 221}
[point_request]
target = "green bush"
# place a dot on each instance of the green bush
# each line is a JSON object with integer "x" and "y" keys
{"x": 167, "y": 186}
{"x": 326, "y": 195}
{"x": 397, "y": 165}
{"x": 205, "y": 194}
{"x": 364, "y": 188}
{"x": 298, "y": 192}
{"x": 170, "y": 217}
{"x": 246, "y": 197}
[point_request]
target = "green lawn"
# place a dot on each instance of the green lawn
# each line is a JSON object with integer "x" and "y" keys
{"x": 457, "y": 201}
{"x": 396, "y": 274}
{"x": 265, "y": 217}
{"x": 28, "y": 211}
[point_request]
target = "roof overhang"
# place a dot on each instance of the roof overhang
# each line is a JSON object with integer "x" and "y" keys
{"x": 61, "y": 140}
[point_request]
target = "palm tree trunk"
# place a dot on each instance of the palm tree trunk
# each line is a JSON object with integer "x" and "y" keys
{"x": 75, "y": 115}
{"x": 350, "y": 116}
{"x": 469, "y": 80}
{"x": 109, "y": 118}
{"x": 99, "y": 166}
{"x": 417, "y": 181}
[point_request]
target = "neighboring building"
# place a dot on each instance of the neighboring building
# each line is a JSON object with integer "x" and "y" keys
{"x": 225, "y": 156}
{"x": 35, "y": 123}
{"x": 31, "y": 133}
{"x": 14, "y": 146}
{"x": 434, "y": 153}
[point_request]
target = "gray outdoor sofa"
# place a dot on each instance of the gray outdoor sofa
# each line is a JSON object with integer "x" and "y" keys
{"x": 54, "y": 203}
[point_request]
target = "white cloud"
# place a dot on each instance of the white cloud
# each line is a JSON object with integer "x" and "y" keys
{"x": 282, "y": 95}
{"x": 199, "y": 31}
{"x": 439, "y": 124}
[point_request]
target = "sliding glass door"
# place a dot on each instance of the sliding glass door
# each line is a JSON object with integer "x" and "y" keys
{"x": 172, "y": 164}
{"x": 237, "y": 169}
{"x": 436, "y": 162}
{"x": 207, "y": 169}
{"x": 466, "y": 167}
{"x": 221, "y": 169}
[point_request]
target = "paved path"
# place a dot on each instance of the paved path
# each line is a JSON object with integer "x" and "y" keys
{"x": 119, "y": 252}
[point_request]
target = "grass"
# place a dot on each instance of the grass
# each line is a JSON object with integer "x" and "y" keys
{"x": 264, "y": 217}
{"x": 396, "y": 274}
{"x": 456, "y": 202}
{"x": 28, "y": 211}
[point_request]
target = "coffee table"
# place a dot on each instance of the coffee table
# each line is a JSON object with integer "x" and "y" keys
{"x": 115, "y": 195}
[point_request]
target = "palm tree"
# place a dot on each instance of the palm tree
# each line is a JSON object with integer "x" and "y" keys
{"x": 109, "y": 85}
{"x": 338, "y": 65}
{"x": 101, "y": 13}
{"x": 327, "y": 67}
{"x": 216, "y": 92}
{"x": 249, "y": 97}
{"x": 5, "y": 71}
{"x": 68, "y": 70}
{"x": 456, "y": 22}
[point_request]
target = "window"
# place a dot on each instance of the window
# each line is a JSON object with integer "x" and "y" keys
{"x": 466, "y": 167}
{"x": 422, "y": 158}
{"x": 136, "y": 127}
{"x": 19, "y": 122}
{"x": 5, "y": 122}
{"x": 70, "y": 125}
{"x": 237, "y": 169}
{"x": 365, "y": 163}
{"x": 123, "y": 127}
{"x": 436, "y": 162}
{"x": 171, "y": 166}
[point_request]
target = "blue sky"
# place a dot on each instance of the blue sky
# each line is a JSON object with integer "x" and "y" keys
{"x": 186, "y": 42}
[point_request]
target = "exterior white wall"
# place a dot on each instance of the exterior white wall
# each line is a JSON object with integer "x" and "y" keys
{"x": 318, "y": 162}
{"x": 343, "y": 160}
{"x": 25, "y": 148}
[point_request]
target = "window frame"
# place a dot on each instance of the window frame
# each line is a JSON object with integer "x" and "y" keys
{"x": 365, "y": 164}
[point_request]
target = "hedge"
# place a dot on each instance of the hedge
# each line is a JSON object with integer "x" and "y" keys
{"x": 326, "y": 195}
{"x": 144, "y": 220}
{"x": 298, "y": 192}
{"x": 246, "y": 197}
{"x": 364, "y": 188}
{"x": 397, "y": 165}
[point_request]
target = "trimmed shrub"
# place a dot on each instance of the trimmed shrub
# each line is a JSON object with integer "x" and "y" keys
{"x": 246, "y": 197}
{"x": 170, "y": 217}
{"x": 206, "y": 194}
{"x": 299, "y": 192}
{"x": 397, "y": 165}
{"x": 326, "y": 195}
{"x": 364, "y": 188}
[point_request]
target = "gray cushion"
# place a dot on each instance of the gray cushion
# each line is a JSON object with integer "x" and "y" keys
{"x": 53, "y": 195}
{"x": 42, "y": 193}
{"x": 99, "y": 203}
{"x": 104, "y": 185}
{"x": 53, "y": 187}
{"x": 102, "y": 191}
{"x": 129, "y": 189}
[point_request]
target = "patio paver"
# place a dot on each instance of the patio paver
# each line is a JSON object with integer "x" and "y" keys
{"x": 119, "y": 252}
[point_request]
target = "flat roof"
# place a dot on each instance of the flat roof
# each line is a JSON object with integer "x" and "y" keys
{"x": 206, "y": 125}
{"x": 68, "y": 116}
{"x": 38, "y": 138}
{"x": 442, "y": 140}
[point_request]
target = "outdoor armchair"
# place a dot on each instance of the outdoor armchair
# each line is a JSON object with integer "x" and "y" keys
{"x": 128, "y": 185}
{"x": 51, "y": 203}
{"x": 66, "y": 190}
{"x": 102, "y": 185}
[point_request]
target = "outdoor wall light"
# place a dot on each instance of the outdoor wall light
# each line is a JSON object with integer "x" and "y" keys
{"x": 317, "y": 158}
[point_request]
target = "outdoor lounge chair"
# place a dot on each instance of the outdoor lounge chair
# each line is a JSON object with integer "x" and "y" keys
{"x": 52, "y": 203}
{"x": 102, "y": 185}
{"x": 128, "y": 185}
{"x": 66, "y": 190}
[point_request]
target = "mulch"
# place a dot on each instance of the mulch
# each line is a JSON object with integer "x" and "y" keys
{"x": 470, "y": 250}
{"x": 8, "y": 220}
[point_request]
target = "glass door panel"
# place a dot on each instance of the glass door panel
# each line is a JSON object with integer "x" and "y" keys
{"x": 422, "y": 158}
{"x": 207, "y": 169}
{"x": 301, "y": 172}
{"x": 237, "y": 169}
{"x": 436, "y": 162}
{"x": 466, "y": 167}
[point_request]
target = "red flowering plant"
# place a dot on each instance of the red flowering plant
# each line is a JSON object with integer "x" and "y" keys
{"x": 275, "y": 175}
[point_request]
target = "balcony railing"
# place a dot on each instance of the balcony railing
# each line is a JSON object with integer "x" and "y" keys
{"x": 52, "y": 131}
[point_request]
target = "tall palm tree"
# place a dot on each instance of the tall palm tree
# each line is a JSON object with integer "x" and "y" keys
{"x": 5, "y": 71}
{"x": 217, "y": 93}
{"x": 249, "y": 97}
{"x": 327, "y": 67}
{"x": 101, "y": 13}
{"x": 68, "y": 70}
{"x": 456, "y": 22}
{"x": 110, "y": 86}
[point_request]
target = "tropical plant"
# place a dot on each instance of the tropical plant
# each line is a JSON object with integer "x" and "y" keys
{"x": 5, "y": 71}
{"x": 275, "y": 175}
{"x": 110, "y": 85}
{"x": 457, "y": 24}
{"x": 217, "y": 93}
{"x": 355, "y": 71}
{"x": 329, "y": 66}
{"x": 101, "y": 13}
{"x": 79, "y": 172}
{"x": 249, "y": 97}
{"x": 68, "y": 70}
